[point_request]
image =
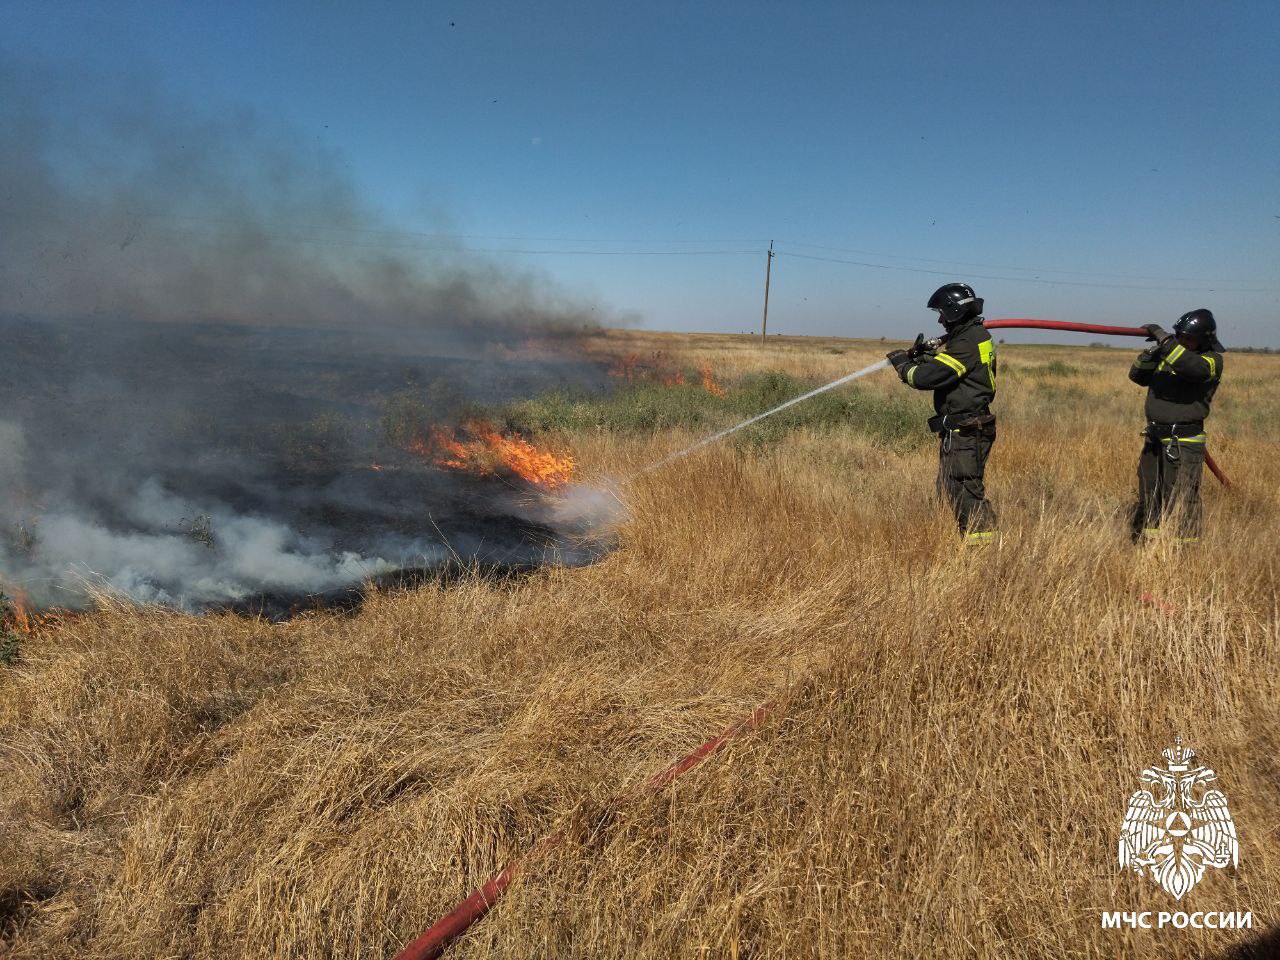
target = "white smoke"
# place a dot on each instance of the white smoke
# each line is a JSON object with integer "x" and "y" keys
{"x": 191, "y": 562}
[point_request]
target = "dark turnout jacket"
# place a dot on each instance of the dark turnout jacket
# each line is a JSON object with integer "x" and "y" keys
{"x": 1180, "y": 382}
{"x": 962, "y": 375}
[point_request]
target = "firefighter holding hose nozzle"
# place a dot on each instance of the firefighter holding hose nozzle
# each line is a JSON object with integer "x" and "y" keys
{"x": 1181, "y": 372}
{"x": 960, "y": 369}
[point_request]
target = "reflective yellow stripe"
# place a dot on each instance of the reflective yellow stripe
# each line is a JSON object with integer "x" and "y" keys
{"x": 911, "y": 376}
{"x": 1199, "y": 438}
{"x": 981, "y": 536}
{"x": 1150, "y": 532}
{"x": 951, "y": 362}
{"x": 1174, "y": 354}
{"x": 987, "y": 355}
{"x": 1213, "y": 367}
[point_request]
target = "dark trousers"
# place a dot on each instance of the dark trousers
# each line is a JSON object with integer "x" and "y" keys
{"x": 962, "y": 461}
{"x": 1169, "y": 474}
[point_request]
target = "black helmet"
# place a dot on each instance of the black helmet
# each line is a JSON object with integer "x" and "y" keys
{"x": 955, "y": 302}
{"x": 1201, "y": 325}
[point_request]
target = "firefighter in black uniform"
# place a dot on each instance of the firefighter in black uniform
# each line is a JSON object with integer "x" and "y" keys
{"x": 960, "y": 369}
{"x": 1181, "y": 373}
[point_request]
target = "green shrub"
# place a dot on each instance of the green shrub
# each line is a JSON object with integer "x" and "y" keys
{"x": 9, "y": 638}
{"x": 1057, "y": 368}
{"x": 8, "y": 647}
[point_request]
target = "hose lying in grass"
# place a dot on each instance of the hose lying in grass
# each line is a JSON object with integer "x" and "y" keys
{"x": 434, "y": 941}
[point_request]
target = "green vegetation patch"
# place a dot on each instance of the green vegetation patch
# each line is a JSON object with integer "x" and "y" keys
{"x": 9, "y": 638}
{"x": 634, "y": 408}
{"x": 893, "y": 421}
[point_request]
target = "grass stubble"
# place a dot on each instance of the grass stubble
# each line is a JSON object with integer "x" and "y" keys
{"x": 946, "y": 773}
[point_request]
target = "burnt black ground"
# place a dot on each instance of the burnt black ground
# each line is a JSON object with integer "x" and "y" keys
{"x": 278, "y": 423}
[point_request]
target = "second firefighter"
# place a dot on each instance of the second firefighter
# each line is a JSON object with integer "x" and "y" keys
{"x": 960, "y": 369}
{"x": 1181, "y": 372}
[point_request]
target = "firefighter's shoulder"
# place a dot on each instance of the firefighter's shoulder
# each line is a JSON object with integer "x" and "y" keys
{"x": 964, "y": 344}
{"x": 1215, "y": 361}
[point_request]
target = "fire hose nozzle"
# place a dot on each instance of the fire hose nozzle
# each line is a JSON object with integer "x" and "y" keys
{"x": 923, "y": 346}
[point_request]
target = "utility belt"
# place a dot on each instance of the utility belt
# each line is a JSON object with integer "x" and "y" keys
{"x": 1171, "y": 436}
{"x": 1186, "y": 431}
{"x": 965, "y": 423}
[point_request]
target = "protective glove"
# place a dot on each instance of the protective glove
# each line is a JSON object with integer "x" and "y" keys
{"x": 899, "y": 359}
{"x": 1149, "y": 354}
{"x": 916, "y": 348}
{"x": 1156, "y": 332}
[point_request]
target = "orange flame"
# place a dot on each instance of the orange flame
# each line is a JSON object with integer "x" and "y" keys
{"x": 481, "y": 449}
{"x": 21, "y": 616}
{"x": 709, "y": 381}
{"x": 625, "y": 367}
{"x": 658, "y": 369}
{"x": 22, "y": 613}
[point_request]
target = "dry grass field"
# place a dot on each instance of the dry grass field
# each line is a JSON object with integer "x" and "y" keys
{"x": 946, "y": 773}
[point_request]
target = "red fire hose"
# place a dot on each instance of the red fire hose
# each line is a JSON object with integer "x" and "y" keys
{"x": 1067, "y": 325}
{"x": 1096, "y": 328}
{"x": 433, "y": 942}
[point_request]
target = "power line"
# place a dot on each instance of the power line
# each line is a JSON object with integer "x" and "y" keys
{"x": 1064, "y": 283}
{"x": 255, "y": 226}
{"x": 634, "y": 242}
{"x": 1006, "y": 266}
{"x": 795, "y": 243}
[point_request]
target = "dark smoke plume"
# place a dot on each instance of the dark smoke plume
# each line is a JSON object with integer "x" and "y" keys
{"x": 208, "y": 341}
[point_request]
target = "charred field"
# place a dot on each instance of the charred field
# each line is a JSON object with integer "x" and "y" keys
{"x": 192, "y": 464}
{"x": 945, "y": 772}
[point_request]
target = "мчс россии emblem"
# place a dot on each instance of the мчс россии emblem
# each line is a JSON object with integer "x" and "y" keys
{"x": 1176, "y": 825}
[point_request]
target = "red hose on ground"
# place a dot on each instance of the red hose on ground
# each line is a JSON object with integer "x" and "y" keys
{"x": 1095, "y": 328}
{"x": 433, "y": 942}
{"x": 1155, "y": 601}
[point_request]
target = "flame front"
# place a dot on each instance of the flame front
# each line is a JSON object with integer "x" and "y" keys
{"x": 625, "y": 367}
{"x": 478, "y": 448}
{"x": 658, "y": 369}
{"x": 709, "y": 381}
{"x": 21, "y": 612}
{"x": 20, "y": 615}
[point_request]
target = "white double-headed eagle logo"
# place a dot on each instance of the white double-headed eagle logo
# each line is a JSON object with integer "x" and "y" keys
{"x": 1177, "y": 826}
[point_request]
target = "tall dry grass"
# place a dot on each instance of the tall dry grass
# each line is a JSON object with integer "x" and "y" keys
{"x": 946, "y": 774}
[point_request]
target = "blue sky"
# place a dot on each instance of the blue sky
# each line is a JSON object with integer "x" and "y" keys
{"x": 1089, "y": 161}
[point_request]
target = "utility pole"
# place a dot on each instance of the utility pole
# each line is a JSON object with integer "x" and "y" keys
{"x": 768, "y": 270}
